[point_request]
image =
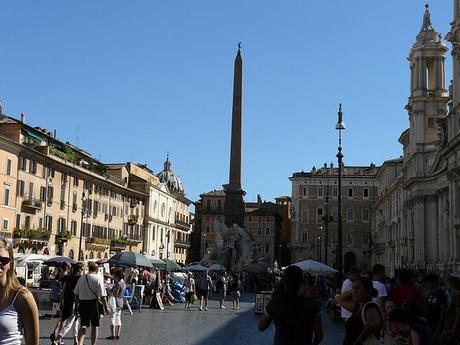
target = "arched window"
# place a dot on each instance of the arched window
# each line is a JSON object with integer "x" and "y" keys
{"x": 81, "y": 256}
{"x": 91, "y": 255}
{"x": 21, "y": 250}
{"x": 46, "y": 251}
{"x": 33, "y": 251}
{"x": 71, "y": 254}
{"x": 106, "y": 256}
{"x": 98, "y": 255}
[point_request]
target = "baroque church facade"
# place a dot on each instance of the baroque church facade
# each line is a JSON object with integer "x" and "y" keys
{"x": 416, "y": 216}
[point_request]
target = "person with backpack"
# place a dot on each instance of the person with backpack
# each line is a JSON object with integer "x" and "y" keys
{"x": 90, "y": 298}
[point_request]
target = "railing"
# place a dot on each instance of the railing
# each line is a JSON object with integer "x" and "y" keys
{"x": 181, "y": 243}
{"x": 32, "y": 203}
{"x": 98, "y": 241}
{"x": 132, "y": 219}
{"x": 63, "y": 235}
{"x": 183, "y": 225}
{"x": 32, "y": 234}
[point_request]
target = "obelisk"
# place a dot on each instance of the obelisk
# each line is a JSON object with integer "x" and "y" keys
{"x": 234, "y": 203}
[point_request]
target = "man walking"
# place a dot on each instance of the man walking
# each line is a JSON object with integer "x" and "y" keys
{"x": 68, "y": 313}
{"x": 205, "y": 286}
{"x": 222, "y": 287}
{"x": 89, "y": 291}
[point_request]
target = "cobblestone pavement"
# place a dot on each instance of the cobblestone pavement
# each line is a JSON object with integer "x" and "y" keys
{"x": 177, "y": 326}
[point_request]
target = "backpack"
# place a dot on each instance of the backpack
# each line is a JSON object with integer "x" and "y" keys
{"x": 384, "y": 338}
{"x": 56, "y": 289}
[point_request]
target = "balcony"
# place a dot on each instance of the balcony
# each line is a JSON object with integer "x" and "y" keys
{"x": 95, "y": 243}
{"x": 32, "y": 203}
{"x": 182, "y": 225}
{"x": 132, "y": 219}
{"x": 181, "y": 244}
{"x": 31, "y": 236}
{"x": 63, "y": 235}
{"x": 118, "y": 245}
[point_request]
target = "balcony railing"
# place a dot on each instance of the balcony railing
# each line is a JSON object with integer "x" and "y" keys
{"x": 32, "y": 203}
{"x": 63, "y": 235}
{"x": 132, "y": 219}
{"x": 181, "y": 243}
{"x": 32, "y": 235}
{"x": 183, "y": 225}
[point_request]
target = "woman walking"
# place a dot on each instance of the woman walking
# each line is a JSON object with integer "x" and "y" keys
{"x": 366, "y": 321}
{"x": 234, "y": 287}
{"x": 297, "y": 318}
{"x": 17, "y": 305}
{"x": 189, "y": 289}
{"x": 118, "y": 291}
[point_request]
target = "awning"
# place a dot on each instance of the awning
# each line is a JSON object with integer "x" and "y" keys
{"x": 34, "y": 136}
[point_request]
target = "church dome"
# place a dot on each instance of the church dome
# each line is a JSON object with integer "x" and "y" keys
{"x": 170, "y": 178}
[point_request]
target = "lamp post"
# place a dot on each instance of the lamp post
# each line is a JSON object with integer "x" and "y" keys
{"x": 80, "y": 256}
{"x": 340, "y": 126}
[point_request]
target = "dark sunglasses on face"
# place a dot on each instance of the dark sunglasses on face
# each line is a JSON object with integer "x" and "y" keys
{"x": 4, "y": 260}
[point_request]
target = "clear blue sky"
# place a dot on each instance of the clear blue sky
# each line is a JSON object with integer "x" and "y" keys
{"x": 135, "y": 79}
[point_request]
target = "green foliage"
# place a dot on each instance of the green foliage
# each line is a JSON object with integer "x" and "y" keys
{"x": 33, "y": 234}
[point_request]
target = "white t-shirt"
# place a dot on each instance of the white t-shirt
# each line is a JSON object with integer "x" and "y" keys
{"x": 346, "y": 286}
{"x": 381, "y": 288}
{"x": 83, "y": 290}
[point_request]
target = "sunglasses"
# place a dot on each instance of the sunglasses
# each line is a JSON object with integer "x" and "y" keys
{"x": 4, "y": 260}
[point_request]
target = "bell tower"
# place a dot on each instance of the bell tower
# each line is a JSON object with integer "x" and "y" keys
{"x": 428, "y": 95}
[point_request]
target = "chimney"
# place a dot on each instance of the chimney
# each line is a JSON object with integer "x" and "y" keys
{"x": 259, "y": 199}
{"x": 54, "y": 134}
{"x": 23, "y": 117}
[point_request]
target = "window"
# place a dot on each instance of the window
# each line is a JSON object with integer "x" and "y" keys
{"x": 267, "y": 231}
{"x": 350, "y": 215}
{"x": 49, "y": 223}
{"x": 73, "y": 227}
{"x": 33, "y": 167}
{"x": 335, "y": 192}
{"x": 6, "y": 196}
{"x": 22, "y": 163}
{"x": 349, "y": 238}
{"x": 61, "y": 224}
{"x": 350, "y": 192}
{"x": 365, "y": 238}
{"x": 319, "y": 214}
{"x": 267, "y": 248}
{"x": 5, "y": 224}
{"x": 320, "y": 192}
{"x": 304, "y": 214}
{"x": 75, "y": 181}
{"x": 31, "y": 190}
{"x": 304, "y": 191}
{"x": 366, "y": 193}
{"x": 430, "y": 123}
{"x": 50, "y": 193}
{"x": 27, "y": 222}
{"x": 207, "y": 228}
{"x": 208, "y": 204}
{"x": 18, "y": 221}
{"x": 219, "y": 205}
{"x": 259, "y": 231}
{"x": 42, "y": 193}
{"x": 250, "y": 218}
{"x": 219, "y": 218}
{"x": 366, "y": 215}
{"x": 304, "y": 237}
{"x": 8, "y": 167}
{"x": 20, "y": 191}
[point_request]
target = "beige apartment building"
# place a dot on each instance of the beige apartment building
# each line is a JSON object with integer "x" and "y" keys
{"x": 60, "y": 198}
{"x": 314, "y": 199}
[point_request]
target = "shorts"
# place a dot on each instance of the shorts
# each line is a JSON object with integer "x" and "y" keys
{"x": 115, "y": 318}
{"x": 67, "y": 310}
{"x": 204, "y": 293}
{"x": 89, "y": 313}
{"x": 188, "y": 297}
{"x": 235, "y": 294}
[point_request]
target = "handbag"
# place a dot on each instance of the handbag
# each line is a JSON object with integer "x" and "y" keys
{"x": 384, "y": 338}
{"x": 100, "y": 306}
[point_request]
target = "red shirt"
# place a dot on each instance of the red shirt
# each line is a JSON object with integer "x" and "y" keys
{"x": 403, "y": 292}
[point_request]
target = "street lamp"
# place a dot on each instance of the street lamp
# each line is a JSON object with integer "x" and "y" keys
{"x": 340, "y": 126}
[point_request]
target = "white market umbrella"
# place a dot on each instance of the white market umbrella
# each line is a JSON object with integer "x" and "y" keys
{"x": 32, "y": 258}
{"x": 314, "y": 267}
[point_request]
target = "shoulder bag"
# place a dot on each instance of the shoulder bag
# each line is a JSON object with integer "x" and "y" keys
{"x": 100, "y": 306}
{"x": 384, "y": 338}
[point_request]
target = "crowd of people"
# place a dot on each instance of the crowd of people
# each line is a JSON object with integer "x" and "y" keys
{"x": 411, "y": 308}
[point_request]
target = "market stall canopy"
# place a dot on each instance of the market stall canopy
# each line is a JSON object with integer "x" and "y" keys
{"x": 58, "y": 260}
{"x": 195, "y": 268}
{"x": 156, "y": 263}
{"x": 32, "y": 258}
{"x": 130, "y": 259}
{"x": 217, "y": 267}
{"x": 171, "y": 265}
{"x": 314, "y": 267}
